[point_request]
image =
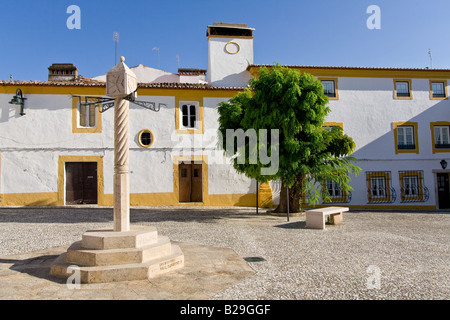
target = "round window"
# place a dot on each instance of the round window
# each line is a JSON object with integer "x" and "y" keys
{"x": 145, "y": 138}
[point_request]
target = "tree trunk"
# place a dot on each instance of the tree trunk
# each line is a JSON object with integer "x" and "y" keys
{"x": 295, "y": 196}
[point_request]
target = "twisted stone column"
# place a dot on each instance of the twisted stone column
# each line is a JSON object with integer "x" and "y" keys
{"x": 121, "y": 161}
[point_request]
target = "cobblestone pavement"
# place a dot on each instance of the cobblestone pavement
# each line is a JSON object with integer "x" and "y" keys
{"x": 373, "y": 255}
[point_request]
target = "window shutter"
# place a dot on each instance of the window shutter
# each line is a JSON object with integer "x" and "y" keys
{"x": 92, "y": 115}
{"x": 82, "y": 115}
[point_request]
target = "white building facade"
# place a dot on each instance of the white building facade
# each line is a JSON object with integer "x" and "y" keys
{"x": 61, "y": 151}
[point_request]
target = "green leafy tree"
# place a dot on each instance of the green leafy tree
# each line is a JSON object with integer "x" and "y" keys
{"x": 283, "y": 99}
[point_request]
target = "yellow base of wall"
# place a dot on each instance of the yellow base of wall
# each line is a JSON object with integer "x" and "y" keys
{"x": 170, "y": 199}
{"x": 136, "y": 199}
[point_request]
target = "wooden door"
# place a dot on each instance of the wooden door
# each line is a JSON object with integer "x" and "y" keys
{"x": 81, "y": 182}
{"x": 196, "y": 183}
{"x": 190, "y": 182}
{"x": 443, "y": 190}
{"x": 184, "y": 173}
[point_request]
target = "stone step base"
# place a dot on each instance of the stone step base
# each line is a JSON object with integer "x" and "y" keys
{"x": 124, "y": 272}
{"x": 78, "y": 255}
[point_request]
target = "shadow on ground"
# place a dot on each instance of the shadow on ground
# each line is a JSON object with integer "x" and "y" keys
{"x": 102, "y": 214}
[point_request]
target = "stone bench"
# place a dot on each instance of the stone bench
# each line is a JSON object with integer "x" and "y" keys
{"x": 316, "y": 218}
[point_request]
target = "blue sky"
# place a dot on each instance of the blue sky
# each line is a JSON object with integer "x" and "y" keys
{"x": 33, "y": 34}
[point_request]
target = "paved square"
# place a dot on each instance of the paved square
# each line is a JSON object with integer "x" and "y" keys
{"x": 254, "y": 256}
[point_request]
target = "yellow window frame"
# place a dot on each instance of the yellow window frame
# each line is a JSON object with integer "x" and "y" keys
{"x": 75, "y": 115}
{"x": 419, "y": 176}
{"x": 395, "y": 126}
{"x": 445, "y": 90}
{"x": 379, "y": 174}
{"x": 336, "y": 91}
{"x": 438, "y": 124}
{"x": 410, "y": 89}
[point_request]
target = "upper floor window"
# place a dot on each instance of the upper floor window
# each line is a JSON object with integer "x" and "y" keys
{"x": 86, "y": 118}
{"x": 402, "y": 89}
{"x": 406, "y": 140}
{"x": 438, "y": 89}
{"x": 440, "y": 136}
{"x": 330, "y": 88}
{"x": 189, "y": 115}
{"x": 87, "y": 115}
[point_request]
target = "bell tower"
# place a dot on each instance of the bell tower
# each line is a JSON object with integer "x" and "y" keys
{"x": 230, "y": 52}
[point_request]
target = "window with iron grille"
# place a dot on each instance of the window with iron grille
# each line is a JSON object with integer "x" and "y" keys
{"x": 335, "y": 192}
{"x": 379, "y": 187}
{"x": 412, "y": 186}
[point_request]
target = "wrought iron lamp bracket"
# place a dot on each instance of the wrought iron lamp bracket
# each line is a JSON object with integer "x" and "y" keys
{"x": 107, "y": 103}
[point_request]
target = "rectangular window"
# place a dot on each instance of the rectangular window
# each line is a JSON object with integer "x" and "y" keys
{"x": 441, "y": 137}
{"x": 334, "y": 190}
{"x": 379, "y": 187}
{"x": 402, "y": 89}
{"x": 438, "y": 89}
{"x": 330, "y": 88}
{"x": 189, "y": 115}
{"x": 406, "y": 138}
{"x": 86, "y": 117}
{"x": 412, "y": 187}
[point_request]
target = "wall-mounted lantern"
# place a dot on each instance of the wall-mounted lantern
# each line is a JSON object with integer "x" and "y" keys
{"x": 443, "y": 164}
{"x": 18, "y": 99}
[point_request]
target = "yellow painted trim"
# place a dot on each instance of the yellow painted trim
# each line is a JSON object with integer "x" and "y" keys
{"x": 395, "y": 125}
{"x": 445, "y": 90}
{"x": 387, "y": 176}
{"x": 139, "y": 138}
{"x": 176, "y": 188}
{"x": 61, "y": 176}
{"x": 436, "y": 124}
{"x": 191, "y": 99}
{"x": 31, "y": 88}
{"x": 333, "y": 124}
{"x": 365, "y": 72}
{"x": 419, "y": 176}
{"x": 334, "y": 199}
{"x": 265, "y": 196}
{"x": 335, "y": 87}
{"x": 30, "y": 199}
{"x": 410, "y": 89}
{"x": 75, "y": 128}
{"x": 232, "y": 42}
{"x": 49, "y": 89}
